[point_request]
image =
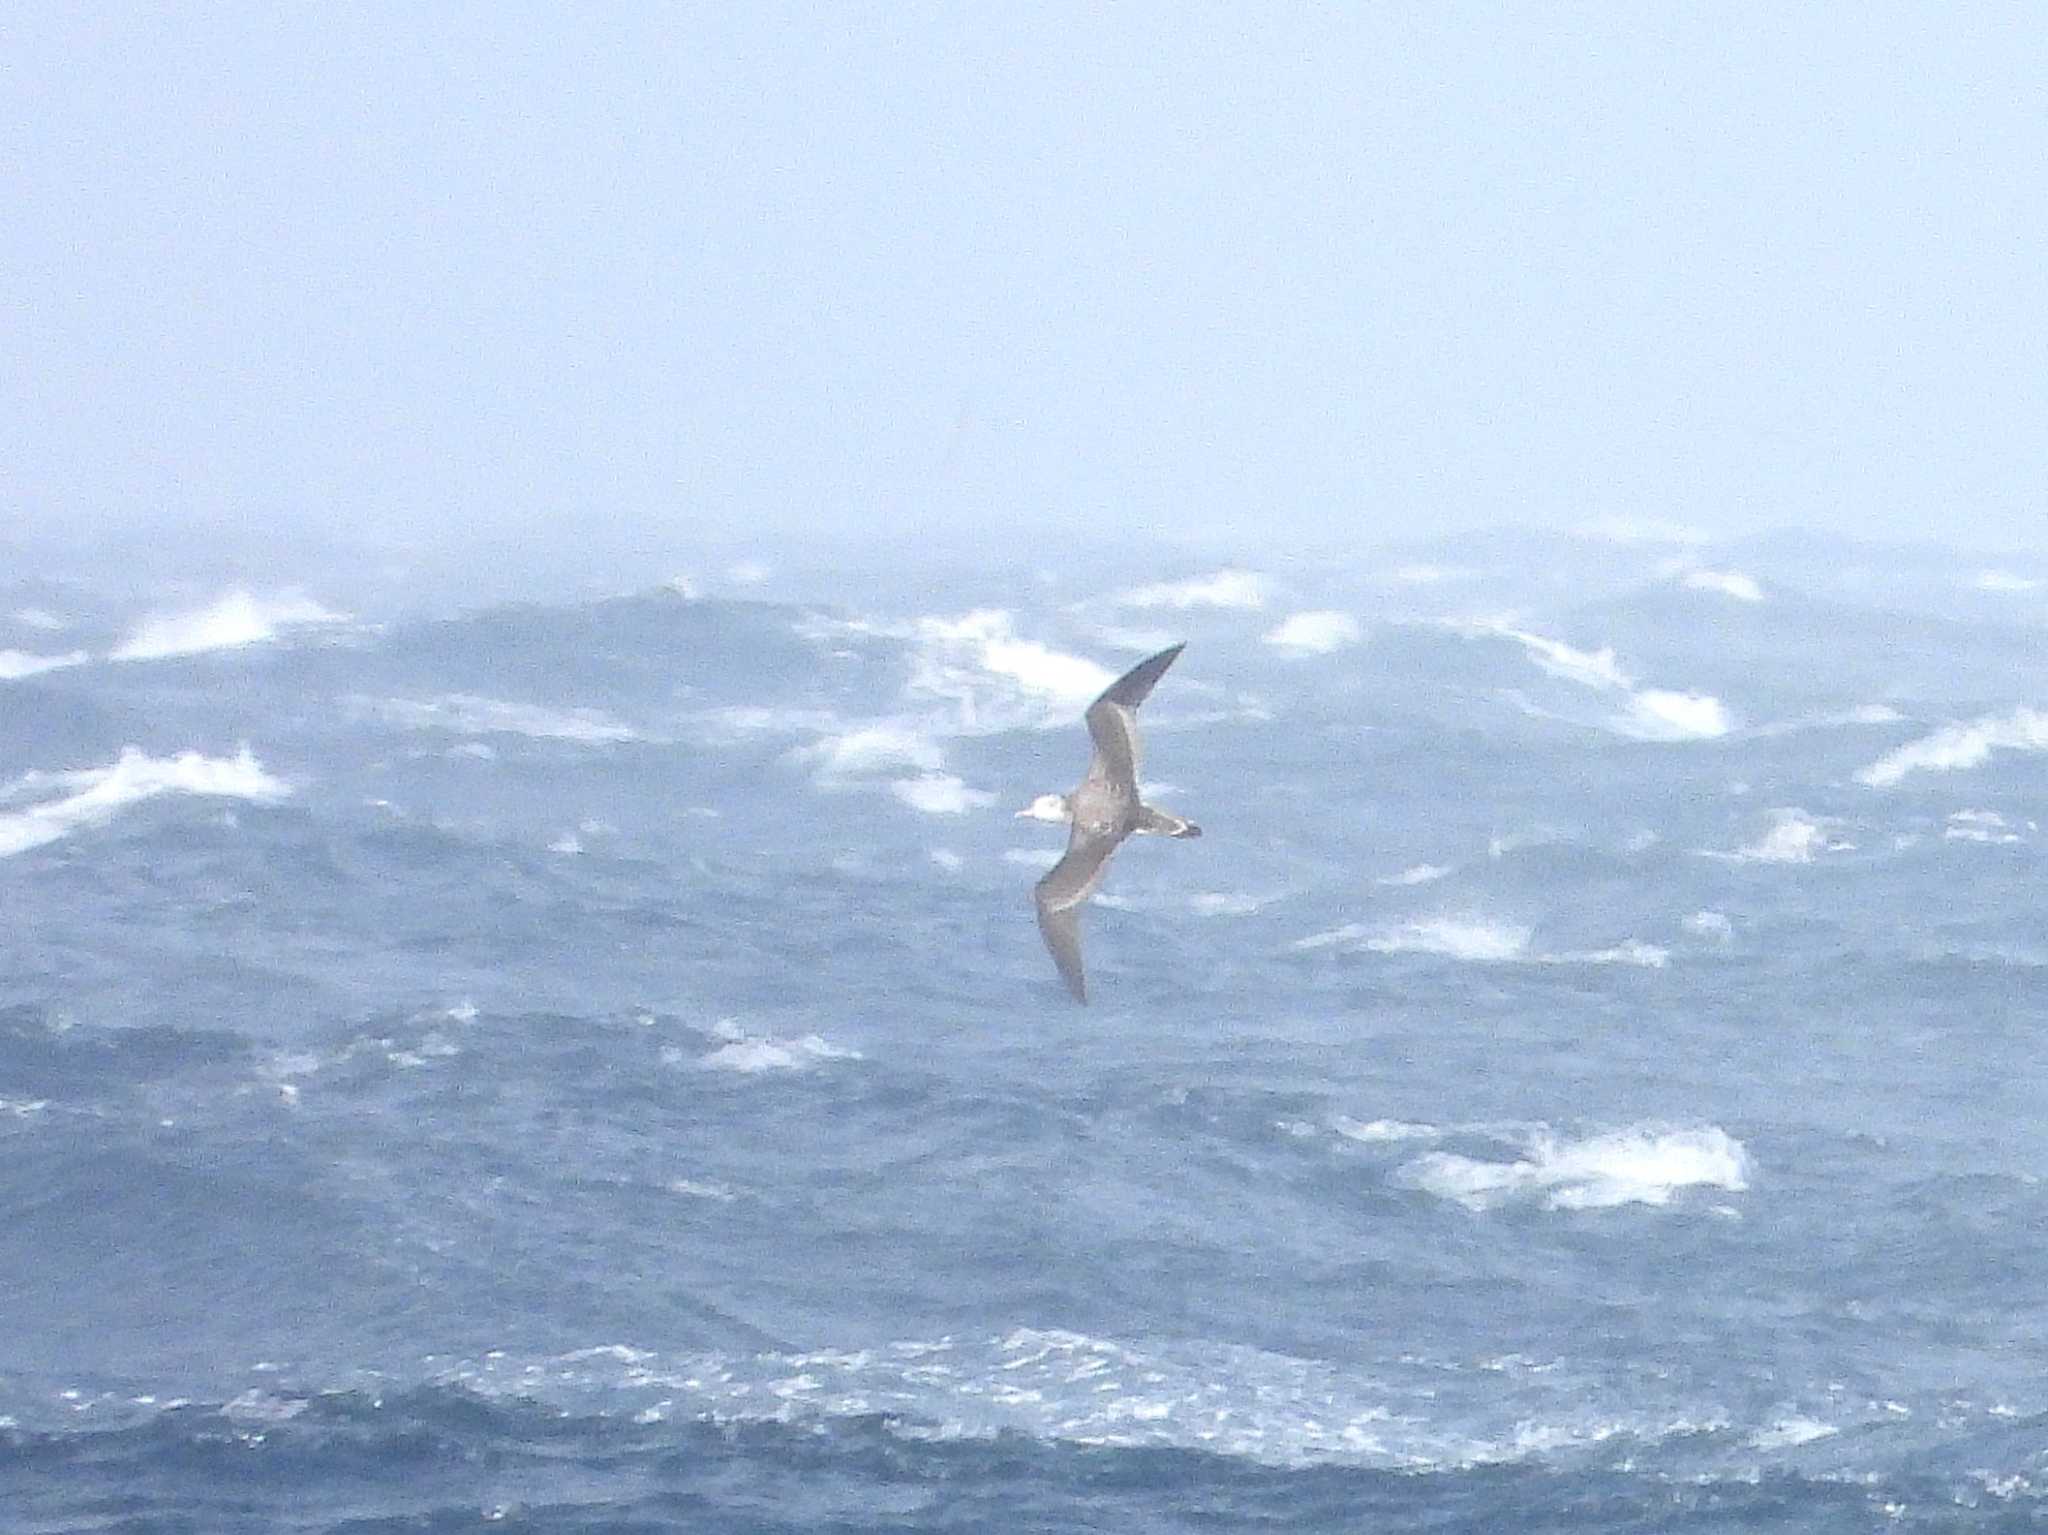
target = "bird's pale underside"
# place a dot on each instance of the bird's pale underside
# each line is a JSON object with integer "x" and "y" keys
{"x": 1104, "y": 809}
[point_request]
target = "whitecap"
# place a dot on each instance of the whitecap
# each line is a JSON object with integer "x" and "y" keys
{"x": 1315, "y": 633}
{"x": 1787, "y": 1433}
{"x": 2006, "y": 581}
{"x": 947, "y": 859}
{"x": 1348, "y": 933}
{"x": 1031, "y": 857}
{"x": 1631, "y": 951}
{"x": 1416, "y": 874}
{"x": 16, "y": 664}
{"x": 1223, "y": 903}
{"x": 1792, "y": 837}
{"x": 1712, "y": 925}
{"x": 95, "y": 795}
{"x": 238, "y": 619}
{"x": 1646, "y": 1165}
{"x": 1729, "y": 583}
{"x": 940, "y": 794}
{"x": 979, "y": 663}
{"x": 1979, "y": 826}
{"x": 870, "y": 749}
{"x": 1956, "y": 747}
{"x": 1462, "y": 938}
{"x": 40, "y": 618}
{"x": 1225, "y": 589}
{"x": 751, "y": 1056}
{"x": 1653, "y": 714}
{"x": 1658, "y": 714}
{"x": 1379, "y": 1131}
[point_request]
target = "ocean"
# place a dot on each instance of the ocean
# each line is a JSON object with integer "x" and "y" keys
{"x": 585, "y": 1061}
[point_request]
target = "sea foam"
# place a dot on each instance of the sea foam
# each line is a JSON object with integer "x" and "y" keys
{"x": 1644, "y": 1164}
{"x": 1224, "y": 589}
{"x": 939, "y": 794}
{"x": 96, "y": 795}
{"x": 1960, "y": 746}
{"x": 16, "y": 664}
{"x": 995, "y": 679}
{"x": 237, "y": 619}
{"x": 1729, "y": 583}
{"x": 1314, "y": 634}
{"x": 1650, "y": 714}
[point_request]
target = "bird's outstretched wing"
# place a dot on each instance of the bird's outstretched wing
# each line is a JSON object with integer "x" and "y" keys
{"x": 1058, "y": 898}
{"x": 1113, "y": 725}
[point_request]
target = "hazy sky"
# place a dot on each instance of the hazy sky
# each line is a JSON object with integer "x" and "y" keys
{"x": 1272, "y": 270}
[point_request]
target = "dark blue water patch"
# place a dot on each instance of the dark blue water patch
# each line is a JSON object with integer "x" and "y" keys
{"x": 42, "y": 1058}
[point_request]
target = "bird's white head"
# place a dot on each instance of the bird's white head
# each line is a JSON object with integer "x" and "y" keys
{"x": 1047, "y": 807}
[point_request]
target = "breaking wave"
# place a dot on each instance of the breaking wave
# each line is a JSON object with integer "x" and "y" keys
{"x": 1729, "y": 583}
{"x": 16, "y": 664}
{"x": 1957, "y": 747}
{"x": 235, "y": 620}
{"x": 1651, "y": 714}
{"x": 1315, "y": 634}
{"x": 1225, "y": 589}
{"x": 1645, "y": 1164}
{"x": 95, "y": 795}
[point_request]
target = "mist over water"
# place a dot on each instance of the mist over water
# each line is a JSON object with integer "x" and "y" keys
{"x": 587, "y": 1060}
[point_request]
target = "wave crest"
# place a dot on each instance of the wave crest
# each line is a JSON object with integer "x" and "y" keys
{"x": 235, "y": 620}
{"x": 95, "y": 795}
{"x": 1646, "y": 1165}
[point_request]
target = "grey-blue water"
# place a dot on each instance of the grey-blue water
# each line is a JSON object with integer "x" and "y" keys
{"x": 590, "y": 1065}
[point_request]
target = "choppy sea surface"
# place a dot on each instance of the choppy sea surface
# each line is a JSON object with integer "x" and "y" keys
{"x": 589, "y": 1064}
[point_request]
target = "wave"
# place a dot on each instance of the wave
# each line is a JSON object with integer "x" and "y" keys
{"x": 2006, "y": 581}
{"x": 1645, "y": 1164}
{"x": 1315, "y": 633}
{"x": 16, "y": 664}
{"x": 1729, "y": 583}
{"x": 1415, "y": 874}
{"x": 1454, "y": 938}
{"x": 1476, "y": 941}
{"x": 1225, "y": 589}
{"x": 870, "y": 749}
{"x": 750, "y": 1055}
{"x": 468, "y": 714}
{"x": 996, "y": 680}
{"x": 1792, "y": 837}
{"x": 1651, "y": 714}
{"x": 1632, "y": 951}
{"x": 1980, "y": 826}
{"x": 1379, "y": 1131}
{"x": 235, "y": 620}
{"x": 1957, "y": 747}
{"x": 1711, "y": 925}
{"x": 940, "y": 794}
{"x": 95, "y": 795}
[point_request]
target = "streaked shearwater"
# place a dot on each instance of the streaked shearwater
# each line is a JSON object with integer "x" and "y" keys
{"x": 1104, "y": 810}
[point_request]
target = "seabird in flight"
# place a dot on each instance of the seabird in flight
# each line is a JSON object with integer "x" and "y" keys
{"x": 1104, "y": 810}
